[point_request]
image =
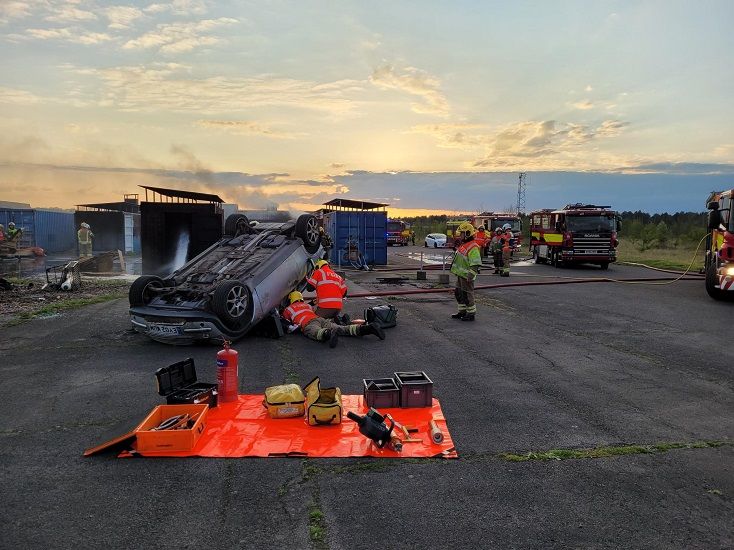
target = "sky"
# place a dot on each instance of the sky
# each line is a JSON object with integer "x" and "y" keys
{"x": 428, "y": 106}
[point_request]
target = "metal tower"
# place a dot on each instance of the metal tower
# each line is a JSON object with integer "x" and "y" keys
{"x": 522, "y": 183}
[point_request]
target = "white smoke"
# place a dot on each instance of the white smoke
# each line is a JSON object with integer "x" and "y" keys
{"x": 182, "y": 248}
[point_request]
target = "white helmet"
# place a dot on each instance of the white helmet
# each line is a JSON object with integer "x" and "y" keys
{"x": 11, "y": 225}
{"x": 506, "y": 226}
{"x": 85, "y": 225}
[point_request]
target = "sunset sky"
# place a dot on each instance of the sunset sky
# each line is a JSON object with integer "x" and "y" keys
{"x": 429, "y": 106}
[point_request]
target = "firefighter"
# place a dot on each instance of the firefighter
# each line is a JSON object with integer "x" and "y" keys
{"x": 320, "y": 329}
{"x": 326, "y": 243}
{"x": 330, "y": 291}
{"x": 465, "y": 266}
{"x": 496, "y": 248}
{"x": 85, "y": 236}
{"x": 508, "y": 242}
{"x": 13, "y": 233}
{"x": 482, "y": 240}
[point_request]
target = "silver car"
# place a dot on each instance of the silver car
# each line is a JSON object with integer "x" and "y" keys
{"x": 232, "y": 286}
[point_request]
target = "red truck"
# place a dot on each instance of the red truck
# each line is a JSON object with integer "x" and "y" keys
{"x": 720, "y": 245}
{"x": 576, "y": 233}
{"x": 398, "y": 233}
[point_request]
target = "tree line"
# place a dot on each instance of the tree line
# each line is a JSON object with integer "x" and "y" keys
{"x": 644, "y": 229}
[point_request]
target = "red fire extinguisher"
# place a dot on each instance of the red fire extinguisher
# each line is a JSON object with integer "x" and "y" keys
{"x": 227, "y": 378}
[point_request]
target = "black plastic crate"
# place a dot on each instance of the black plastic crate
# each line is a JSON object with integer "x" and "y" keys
{"x": 178, "y": 384}
{"x": 381, "y": 393}
{"x": 416, "y": 389}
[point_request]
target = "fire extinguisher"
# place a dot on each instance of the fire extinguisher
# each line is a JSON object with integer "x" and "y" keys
{"x": 227, "y": 378}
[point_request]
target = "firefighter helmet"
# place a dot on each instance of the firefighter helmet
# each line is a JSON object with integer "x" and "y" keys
{"x": 506, "y": 227}
{"x": 11, "y": 225}
{"x": 467, "y": 229}
{"x": 321, "y": 263}
{"x": 295, "y": 296}
{"x": 498, "y": 231}
{"x": 85, "y": 225}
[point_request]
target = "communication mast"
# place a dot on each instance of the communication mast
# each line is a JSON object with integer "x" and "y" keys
{"x": 522, "y": 183}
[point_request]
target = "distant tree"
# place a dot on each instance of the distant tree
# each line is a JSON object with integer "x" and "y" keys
{"x": 662, "y": 234}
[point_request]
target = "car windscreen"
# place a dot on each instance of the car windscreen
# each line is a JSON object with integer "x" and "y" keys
{"x": 514, "y": 223}
{"x": 394, "y": 226}
{"x": 590, "y": 224}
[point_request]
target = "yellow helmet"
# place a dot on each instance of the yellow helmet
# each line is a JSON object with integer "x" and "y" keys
{"x": 467, "y": 228}
{"x": 321, "y": 263}
{"x": 295, "y": 296}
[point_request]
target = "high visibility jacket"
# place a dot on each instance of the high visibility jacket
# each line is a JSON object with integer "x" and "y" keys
{"x": 508, "y": 241}
{"x": 12, "y": 233}
{"x": 330, "y": 288}
{"x": 467, "y": 257}
{"x": 84, "y": 235}
{"x": 299, "y": 313}
{"x": 481, "y": 238}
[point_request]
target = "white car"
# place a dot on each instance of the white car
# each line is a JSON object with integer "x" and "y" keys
{"x": 435, "y": 240}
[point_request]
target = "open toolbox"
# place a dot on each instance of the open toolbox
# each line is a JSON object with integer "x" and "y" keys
{"x": 179, "y": 385}
{"x": 416, "y": 389}
{"x": 150, "y": 436}
{"x": 381, "y": 393}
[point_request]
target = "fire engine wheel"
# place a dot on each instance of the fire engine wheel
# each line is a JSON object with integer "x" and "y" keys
{"x": 712, "y": 282}
{"x": 236, "y": 225}
{"x": 604, "y": 265}
{"x": 231, "y": 302}
{"x": 307, "y": 229}
{"x": 142, "y": 290}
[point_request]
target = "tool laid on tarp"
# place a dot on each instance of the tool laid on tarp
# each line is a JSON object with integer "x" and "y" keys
{"x": 372, "y": 425}
{"x": 244, "y": 428}
{"x": 323, "y": 405}
{"x": 436, "y": 433}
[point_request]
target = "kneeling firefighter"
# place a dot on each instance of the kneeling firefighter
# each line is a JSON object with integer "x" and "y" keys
{"x": 330, "y": 291}
{"x": 465, "y": 266}
{"x": 320, "y": 329}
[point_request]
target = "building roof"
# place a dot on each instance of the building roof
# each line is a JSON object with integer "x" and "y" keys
{"x": 178, "y": 194}
{"x": 355, "y": 204}
{"x": 111, "y": 207}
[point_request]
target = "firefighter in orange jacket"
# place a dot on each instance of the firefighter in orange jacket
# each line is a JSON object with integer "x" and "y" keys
{"x": 508, "y": 242}
{"x": 320, "y": 329}
{"x": 465, "y": 266}
{"x": 330, "y": 291}
{"x": 482, "y": 240}
{"x": 496, "y": 248}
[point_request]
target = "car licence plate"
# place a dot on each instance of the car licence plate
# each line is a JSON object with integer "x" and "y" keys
{"x": 164, "y": 329}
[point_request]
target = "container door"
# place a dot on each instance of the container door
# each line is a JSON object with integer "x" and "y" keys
{"x": 129, "y": 244}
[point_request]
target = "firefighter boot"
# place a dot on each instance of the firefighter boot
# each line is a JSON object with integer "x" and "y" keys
{"x": 342, "y": 319}
{"x": 469, "y": 317}
{"x": 331, "y": 336}
{"x": 459, "y": 315}
{"x": 372, "y": 328}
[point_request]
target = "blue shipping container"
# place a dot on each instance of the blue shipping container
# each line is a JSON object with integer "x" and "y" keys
{"x": 368, "y": 230}
{"x": 53, "y": 231}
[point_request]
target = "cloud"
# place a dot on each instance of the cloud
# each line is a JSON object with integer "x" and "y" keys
{"x": 121, "y": 17}
{"x": 14, "y": 10}
{"x": 180, "y": 37}
{"x": 583, "y": 105}
{"x": 169, "y": 87}
{"x": 69, "y": 35}
{"x": 679, "y": 168}
{"x": 415, "y": 82}
{"x": 245, "y": 127}
{"x": 67, "y": 12}
{"x": 17, "y": 97}
{"x": 178, "y": 7}
{"x": 611, "y": 128}
{"x": 453, "y": 135}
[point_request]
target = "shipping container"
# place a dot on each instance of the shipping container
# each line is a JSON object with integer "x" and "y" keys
{"x": 367, "y": 229}
{"x": 51, "y": 230}
{"x": 112, "y": 230}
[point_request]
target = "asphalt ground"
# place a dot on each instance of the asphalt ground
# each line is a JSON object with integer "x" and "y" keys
{"x": 558, "y": 367}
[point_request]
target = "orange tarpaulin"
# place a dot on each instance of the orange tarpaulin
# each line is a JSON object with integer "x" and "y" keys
{"x": 243, "y": 428}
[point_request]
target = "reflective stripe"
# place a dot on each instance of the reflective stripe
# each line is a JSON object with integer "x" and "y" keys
{"x": 321, "y": 283}
{"x": 323, "y": 301}
{"x": 301, "y": 315}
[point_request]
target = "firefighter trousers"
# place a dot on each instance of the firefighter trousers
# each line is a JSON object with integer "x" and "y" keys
{"x": 506, "y": 255}
{"x": 497, "y": 259}
{"x": 317, "y": 329}
{"x": 464, "y": 293}
{"x": 85, "y": 249}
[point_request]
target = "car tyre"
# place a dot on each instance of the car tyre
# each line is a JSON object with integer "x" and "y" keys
{"x": 604, "y": 265}
{"x": 307, "y": 229}
{"x": 236, "y": 225}
{"x": 231, "y": 303}
{"x": 435, "y": 245}
{"x": 712, "y": 281}
{"x": 425, "y": 243}
{"x": 140, "y": 293}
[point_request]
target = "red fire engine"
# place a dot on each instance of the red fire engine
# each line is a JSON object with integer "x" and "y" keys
{"x": 720, "y": 245}
{"x": 577, "y": 233}
{"x": 398, "y": 233}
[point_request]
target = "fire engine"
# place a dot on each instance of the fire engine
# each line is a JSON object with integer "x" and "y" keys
{"x": 398, "y": 232}
{"x": 720, "y": 245}
{"x": 577, "y": 233}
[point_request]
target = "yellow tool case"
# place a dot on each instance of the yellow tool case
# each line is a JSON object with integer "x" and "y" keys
{"x": 323, "y": 405}
{"x": 284, "y": 401}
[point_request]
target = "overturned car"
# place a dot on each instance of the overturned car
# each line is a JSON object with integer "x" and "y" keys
{"x": 232, "y": 286}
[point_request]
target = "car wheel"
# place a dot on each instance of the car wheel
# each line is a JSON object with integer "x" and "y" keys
{"x": 231, "y": 302}
{"x": 435, "y": 245}
{"x": 425, "y": 243}
{"x": 604, "y": 265}
{"x": 236, "y": 225}
{"x": 307, "y": 229}
{"x": 142, "y": 290}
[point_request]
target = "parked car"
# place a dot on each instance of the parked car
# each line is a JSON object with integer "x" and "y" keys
{"x": 435, "y": 240}
{"x": 232, "y": 286}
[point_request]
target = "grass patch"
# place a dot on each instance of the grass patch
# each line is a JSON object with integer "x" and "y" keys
{"x": 63, "y": 305}
{"x": 316, "y": 526}
{"x": 603, "y": 452}
{"x": 665, "y": 258}
{"x": 376, "y": 466}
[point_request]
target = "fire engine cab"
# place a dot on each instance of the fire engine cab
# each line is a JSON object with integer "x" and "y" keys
{"x": 577, "y": 233}
{"x": 720, "y": 245}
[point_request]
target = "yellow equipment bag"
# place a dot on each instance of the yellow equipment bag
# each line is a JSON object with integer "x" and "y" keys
{"x": 285, "y": 401}
{"x": 323, "y": 405}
